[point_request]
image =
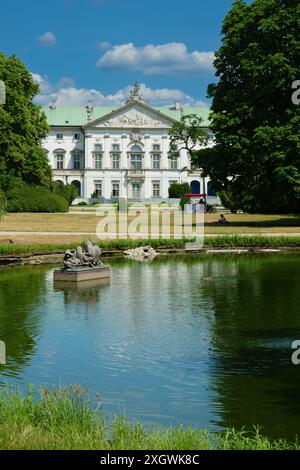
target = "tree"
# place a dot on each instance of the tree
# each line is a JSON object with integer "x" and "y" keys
{"x": 256, "y": 159}
{"x": 187, "y": 134}
{"x": 3, "y": 204}
{"x": 22, "y": 128}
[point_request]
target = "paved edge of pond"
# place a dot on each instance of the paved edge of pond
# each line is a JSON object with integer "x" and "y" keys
{"x": 55, "y": 256}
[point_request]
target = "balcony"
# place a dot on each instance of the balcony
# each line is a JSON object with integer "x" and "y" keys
{"x": 136, "y": 173}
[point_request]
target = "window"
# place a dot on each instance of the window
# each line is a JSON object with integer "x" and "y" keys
{"x": 116, "y": 161}
{"x": 136, "y": 149}
{"x": 59, "y": 161}
{"x": 173, "y": 163}
{"x": 156, "y": 147}
{"x": 115, "y": 189}
{"x": 98, "y": 188}
{"x": 76, "y": 161}
{"x": 98, "y": 147}
{"x": 156, "y": 161}
{"x": 136, "y": 162}
{"x": 59, "y": 136}
{"x": 98, "y": 161}
{"x": 156, "y": 189}
{"x": 136, "y": 190}
{"x": 115, "y": 147}
{"x": 77, "y": 136}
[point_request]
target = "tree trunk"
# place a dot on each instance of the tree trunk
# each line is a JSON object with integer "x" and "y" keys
{"x": 227, "y": 201}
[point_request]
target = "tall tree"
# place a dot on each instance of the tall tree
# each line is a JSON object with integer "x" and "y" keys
{"x": 22, "y": 127}
{"x": 256, "y": 159}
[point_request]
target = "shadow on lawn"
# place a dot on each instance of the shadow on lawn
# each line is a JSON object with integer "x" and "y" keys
{"x": 283, "y": 222}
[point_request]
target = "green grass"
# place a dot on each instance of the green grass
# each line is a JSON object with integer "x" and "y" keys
{"x": 220, "y": 241}
{"x": 67, "y": 418}
{"x": 252, "y": 241}
{"x": 18, "y": 249}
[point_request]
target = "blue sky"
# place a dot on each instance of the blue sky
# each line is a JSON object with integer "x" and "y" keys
{"x": 83, "y": 49}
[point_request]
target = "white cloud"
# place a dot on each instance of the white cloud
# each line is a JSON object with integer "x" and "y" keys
{"x": 103, "y": 45}
{"x": 47, "y": 39}
{"x": 65, "y": 93}
{"x": 166, "y": 59}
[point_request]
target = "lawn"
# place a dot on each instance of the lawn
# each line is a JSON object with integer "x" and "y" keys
{"x": 79, "y": 226}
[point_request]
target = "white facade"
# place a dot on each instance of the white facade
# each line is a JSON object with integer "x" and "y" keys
{"x": 124, "y": 153}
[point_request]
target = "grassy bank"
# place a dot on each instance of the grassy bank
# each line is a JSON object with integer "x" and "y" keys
{"x": 221, "y": 241}
{"x": 66, "y": 418}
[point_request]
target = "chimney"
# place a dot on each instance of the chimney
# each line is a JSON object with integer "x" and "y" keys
{"x": 90, "y": 110}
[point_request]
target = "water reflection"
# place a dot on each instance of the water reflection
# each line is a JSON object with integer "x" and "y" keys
{"x": 21, "y": 292}
{"x": 84, "y": 291}
{"x": 205, "y": 341}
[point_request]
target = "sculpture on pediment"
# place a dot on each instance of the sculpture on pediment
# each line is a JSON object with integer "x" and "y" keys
{"x": 135, "y": 136}
{"x": 135, "y": 94}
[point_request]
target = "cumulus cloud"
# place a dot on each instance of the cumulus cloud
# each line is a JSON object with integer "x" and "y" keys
{"x": 47, "y": 39}
{"x": 65, "y": 93}
{"x": 166, "y": 59}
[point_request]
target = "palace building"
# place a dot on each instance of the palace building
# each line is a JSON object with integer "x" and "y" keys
{"x": 120, "y": 152}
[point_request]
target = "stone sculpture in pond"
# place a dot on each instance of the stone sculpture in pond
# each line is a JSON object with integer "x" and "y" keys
{"x": 87, "y": 257}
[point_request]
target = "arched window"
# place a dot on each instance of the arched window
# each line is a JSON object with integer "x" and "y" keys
{"x": 195, "y": 185}
{"x": 77, "y": 185}
{"x": 210, "y": 190}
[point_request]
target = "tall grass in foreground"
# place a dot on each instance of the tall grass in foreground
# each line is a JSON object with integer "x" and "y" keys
{"x": 66, "y": 418}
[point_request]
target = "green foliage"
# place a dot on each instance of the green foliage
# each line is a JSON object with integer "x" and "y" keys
{"x": 22, "y": 128}
{"x": 184, "y": 200}
{"x": 257, "y": 154}
{"x": 3, "y": 204}
{"x": 82, "y": 203}
{"x": 176, "y": 190}
{"x": 187, "y": 134}
{"x": 68, "y": 191}
{"x": 30, "y": 198}
{"x": 68, "y": 418}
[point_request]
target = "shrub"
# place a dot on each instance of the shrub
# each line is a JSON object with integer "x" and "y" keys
{"x": 82, "y": 203}
{"x": 30, "y": 198}
{"x": 68, "y": 191}
{"x": 177, "y": 190}
{"x": 184, "y": 200}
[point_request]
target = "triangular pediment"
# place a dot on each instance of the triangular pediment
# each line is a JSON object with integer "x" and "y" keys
{"x": 132, "y": 116}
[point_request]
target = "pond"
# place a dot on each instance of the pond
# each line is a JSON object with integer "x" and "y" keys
{"x": 204, "y": 341}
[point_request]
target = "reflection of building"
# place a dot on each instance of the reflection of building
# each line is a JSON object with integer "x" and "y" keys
{"x": 120, "y": 152}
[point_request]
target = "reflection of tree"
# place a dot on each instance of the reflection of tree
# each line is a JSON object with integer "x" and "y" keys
{"x": 256, "y": 307}
{"x": 21, "y": 290}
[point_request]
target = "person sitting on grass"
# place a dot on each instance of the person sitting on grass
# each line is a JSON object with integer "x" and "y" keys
{"x": 222, "y": 220}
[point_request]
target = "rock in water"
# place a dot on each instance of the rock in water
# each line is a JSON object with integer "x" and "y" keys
{"x": 142, "y": 253}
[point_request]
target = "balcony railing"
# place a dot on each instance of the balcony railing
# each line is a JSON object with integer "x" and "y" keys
{"x": 136, "y": 173}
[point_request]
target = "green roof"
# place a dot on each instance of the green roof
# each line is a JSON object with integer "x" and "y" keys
{"x": 77, "y": 115}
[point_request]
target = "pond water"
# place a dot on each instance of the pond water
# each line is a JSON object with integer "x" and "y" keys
{"x": 203, "y": 341}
